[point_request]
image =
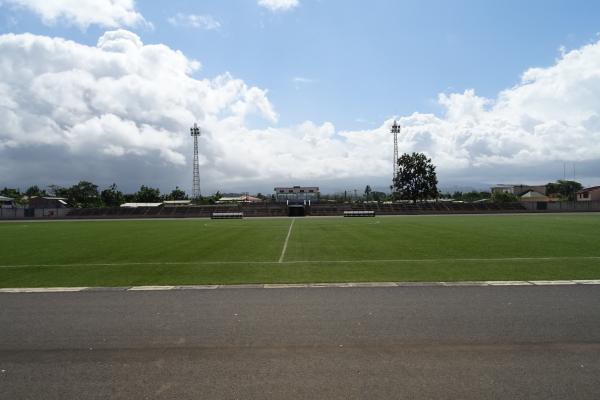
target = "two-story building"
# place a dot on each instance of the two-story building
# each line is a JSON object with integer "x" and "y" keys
{"x": 297, "y": 194}
{"x": 519, "y": 190}
{"x": 589, "y": 194}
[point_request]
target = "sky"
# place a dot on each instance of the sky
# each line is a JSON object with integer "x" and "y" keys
{"x": 292, "y": 92}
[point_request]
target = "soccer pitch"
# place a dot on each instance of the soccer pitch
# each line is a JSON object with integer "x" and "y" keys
{"x": 286, "y": 250}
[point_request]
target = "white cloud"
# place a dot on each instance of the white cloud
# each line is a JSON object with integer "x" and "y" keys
{"x": 83, "y": 13}
{"x": 118, "y": 99}
{"x": 278, "y": 5}
{"x": 206, "y": 22}
{"x": 121, "y": 111}
{"x": 301, "y": 79}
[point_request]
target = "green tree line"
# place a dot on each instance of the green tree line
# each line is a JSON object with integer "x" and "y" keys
{"x": 88, "y": 195}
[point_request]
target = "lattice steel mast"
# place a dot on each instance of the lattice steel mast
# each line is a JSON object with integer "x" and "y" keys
{"x": 195, "y": 132}
{"x": 395, "y": 131}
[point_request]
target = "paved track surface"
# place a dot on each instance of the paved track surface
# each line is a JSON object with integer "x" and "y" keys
{"x": 315, "y": 343}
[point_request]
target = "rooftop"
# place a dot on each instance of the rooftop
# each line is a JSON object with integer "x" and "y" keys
{"x": 133, "y": 205}
{"x": 590, "y": 189}
{"x": 534, "y": 194}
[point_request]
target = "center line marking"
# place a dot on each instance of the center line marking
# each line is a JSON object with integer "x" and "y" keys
{"x": 286, "y": 241}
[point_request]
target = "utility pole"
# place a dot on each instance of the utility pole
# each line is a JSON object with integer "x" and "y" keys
{"x": 195, "y": 132}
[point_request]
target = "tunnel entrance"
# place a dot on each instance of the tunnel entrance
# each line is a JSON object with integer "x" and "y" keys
{"x": 296, "y": 210}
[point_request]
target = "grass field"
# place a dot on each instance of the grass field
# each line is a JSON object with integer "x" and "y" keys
{"x": 181, "y": 252}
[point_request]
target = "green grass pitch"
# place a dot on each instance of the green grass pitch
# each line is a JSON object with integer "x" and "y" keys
{"x": 195, "y": 251}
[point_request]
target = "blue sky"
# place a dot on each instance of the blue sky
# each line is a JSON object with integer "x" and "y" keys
{"x": 355, "y": 65}
{"x": 359, "y": 63}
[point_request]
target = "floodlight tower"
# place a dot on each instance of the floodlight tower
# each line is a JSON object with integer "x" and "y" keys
{"x": 395, "y": 132}
{"x": 195, "y": 132}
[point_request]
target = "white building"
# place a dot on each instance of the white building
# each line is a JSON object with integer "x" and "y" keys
{"x": 297, "y": 194}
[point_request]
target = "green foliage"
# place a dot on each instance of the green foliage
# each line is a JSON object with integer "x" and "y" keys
{"x": 502, "y": 197}
{"x": 84, "y": 194}
{"x": 416, "y": 178}
{"x": 379, "y": 196}
{"x": 176, "y": 194}
{"x": 368, "y": 191}
{"x": 469, "y": 196}
{"x": 565, "y": 189}
{"x": 10, "y": 192}
{"x": 112, "y": 197}
{"x": 34, "y": 191}
{"x": 58, "y": 191}
{"x": 147, "y": 195}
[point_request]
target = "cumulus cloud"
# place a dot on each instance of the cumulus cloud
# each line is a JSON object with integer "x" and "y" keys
{"x": 83, "y": 13}
{"x": 206, "y": 22}
{"x": 278, "y": 5}
{"x": 121, "y": 111}
{"x": 550, "y": 116}
{"x": 117, "y": 99}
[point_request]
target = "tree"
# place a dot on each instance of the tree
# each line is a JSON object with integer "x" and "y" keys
{"x": 34, "y": 191}
{"x": 129, "y": 198}
{"x": 84, "y": 194}
{"x": 503, "y": 197}
{"x": 368, "y": 191}
{"x": 416, "y": 178}
{"x": 112, "y": 197}
{"x": 12, "y": 193}
{"x": 177, "y": 194}
{"x": 470, "y": 196}
{"x": 57, "y": 191}
{"x": 378, "y": 196}
{"x": 564, "y": 188}
{"x": 147, "y": 195}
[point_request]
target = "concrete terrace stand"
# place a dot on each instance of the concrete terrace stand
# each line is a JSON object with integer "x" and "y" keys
{"x": 272, "y": 209}
{"x": 227, "y": 215}
{"x": 359, "y": 213}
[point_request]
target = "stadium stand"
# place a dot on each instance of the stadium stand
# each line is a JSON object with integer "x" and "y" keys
{"x": 329, "y": 209}
{"x": 280, "y": 210}
{"x": 359, "y": 213}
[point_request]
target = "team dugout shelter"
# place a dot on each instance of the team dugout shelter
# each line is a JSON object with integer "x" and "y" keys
{"x": 297, "y": 194}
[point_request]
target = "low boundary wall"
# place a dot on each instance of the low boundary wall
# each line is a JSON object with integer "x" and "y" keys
{"x": 562, "y": 206}
{"x": 281, "y": 210}
{"x": 33, "y": 213}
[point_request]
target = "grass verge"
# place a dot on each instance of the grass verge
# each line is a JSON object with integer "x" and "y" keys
{"x": 189, "y": 274}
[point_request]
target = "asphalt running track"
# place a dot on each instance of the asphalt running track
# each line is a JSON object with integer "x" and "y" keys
{"x": 417, "y": 342}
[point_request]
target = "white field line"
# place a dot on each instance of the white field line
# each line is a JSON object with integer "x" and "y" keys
{"x": 43, "y": 290}
{"x": 307, "y": 285}
{"x": 369, "y": 261}
{"x": 154, "y": 287}
{"x": 287, "y": 238}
